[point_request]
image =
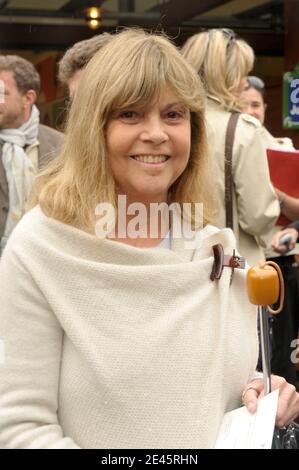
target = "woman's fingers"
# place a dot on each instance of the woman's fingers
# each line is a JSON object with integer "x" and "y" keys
{"x": 288, "y": 400}
{"x": 251, "y": 393}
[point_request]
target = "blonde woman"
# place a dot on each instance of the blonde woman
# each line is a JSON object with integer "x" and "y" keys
{"x": 223, "y": 61}
{"x": 120, "y": 341}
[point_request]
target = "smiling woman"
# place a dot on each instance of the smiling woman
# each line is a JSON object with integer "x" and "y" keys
{"x": 122, "y": 342}
{"x": 149, "y": 148}
{"x": 150, "y": 84}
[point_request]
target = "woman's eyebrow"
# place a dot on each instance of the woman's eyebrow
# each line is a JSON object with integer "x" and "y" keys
{"x": 175, "y": 103}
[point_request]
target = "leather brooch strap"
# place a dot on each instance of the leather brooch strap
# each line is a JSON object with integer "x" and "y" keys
{"x": 221, "y": 260}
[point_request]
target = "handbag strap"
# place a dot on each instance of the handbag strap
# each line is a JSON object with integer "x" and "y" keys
{"x": 228, "y": 155}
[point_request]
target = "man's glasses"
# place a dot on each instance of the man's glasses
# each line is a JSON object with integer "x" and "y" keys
{"x": 255, "y": 82}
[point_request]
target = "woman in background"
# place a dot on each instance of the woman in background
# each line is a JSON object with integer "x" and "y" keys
{"x": 223, "y": 61}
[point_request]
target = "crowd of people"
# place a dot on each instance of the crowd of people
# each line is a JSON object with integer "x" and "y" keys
{"x": 116, "y": 330}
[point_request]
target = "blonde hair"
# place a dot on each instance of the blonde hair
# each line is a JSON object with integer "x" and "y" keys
{"x": 222, "y": 61}
{"x": 129, "y": 71}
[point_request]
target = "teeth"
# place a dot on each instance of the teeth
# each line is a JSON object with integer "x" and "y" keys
{"x": 150, "y": 158}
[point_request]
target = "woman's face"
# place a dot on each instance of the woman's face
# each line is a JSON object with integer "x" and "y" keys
{"x": 148, "y": 149}
{"x": 254, "y": 104}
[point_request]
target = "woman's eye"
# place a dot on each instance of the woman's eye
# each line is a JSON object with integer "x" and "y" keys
{"x": 129, "y": 115}
{"x": 174, "y": 115}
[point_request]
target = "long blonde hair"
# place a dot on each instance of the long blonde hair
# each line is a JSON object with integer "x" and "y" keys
{"x": 222, "y": 61}
{"x": 129, "y": 71}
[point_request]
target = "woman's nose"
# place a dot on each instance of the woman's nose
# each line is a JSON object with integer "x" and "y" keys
{"x": 154, "y": 131}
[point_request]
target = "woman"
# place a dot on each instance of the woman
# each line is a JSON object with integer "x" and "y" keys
{"x": 223, "y": 61}
{"x": 117, "y": 342}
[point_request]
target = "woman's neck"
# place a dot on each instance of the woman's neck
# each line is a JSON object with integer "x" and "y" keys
{"x": 143, "y": 225}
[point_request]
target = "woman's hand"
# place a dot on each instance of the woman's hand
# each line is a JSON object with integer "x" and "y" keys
{"x": 282, "y": 248}
{"x": 288, "y": 400}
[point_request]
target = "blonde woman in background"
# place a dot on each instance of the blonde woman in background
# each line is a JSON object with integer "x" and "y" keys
{"x": 223, "y": 61}
{"x": 121, "y": 341}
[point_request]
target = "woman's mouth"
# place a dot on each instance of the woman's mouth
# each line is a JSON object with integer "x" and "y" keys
{"x": 153, "y": 159}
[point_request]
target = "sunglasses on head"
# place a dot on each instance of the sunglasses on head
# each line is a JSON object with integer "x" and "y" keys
{"x": 230, "y": 36}
{"x": 228, "y": 33}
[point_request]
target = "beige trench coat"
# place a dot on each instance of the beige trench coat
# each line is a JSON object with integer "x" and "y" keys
{"x": 276, "y": 143}
{"x": 255, "y": 205}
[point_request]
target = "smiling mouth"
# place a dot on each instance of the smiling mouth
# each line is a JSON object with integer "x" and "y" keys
{"x": 150, "y": 158}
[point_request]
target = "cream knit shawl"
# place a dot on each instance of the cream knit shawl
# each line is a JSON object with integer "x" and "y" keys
{"x": 112, "y": 346}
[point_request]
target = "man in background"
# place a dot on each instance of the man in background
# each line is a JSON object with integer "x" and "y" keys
{"x": 25, "y": 144}
{"x": 76, "y": 58}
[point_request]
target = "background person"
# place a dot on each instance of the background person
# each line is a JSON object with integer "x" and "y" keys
{"x": 75, "y": 59}
{"x": 284, "y": 327}
{"x": 119, "y": 342}
{"x": 25, "y": 144}
{"x": 253, "y": 99}
{"x": 223, "y": 61}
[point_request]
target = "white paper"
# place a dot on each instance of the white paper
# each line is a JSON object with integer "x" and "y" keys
{"x": 241, "y": 429}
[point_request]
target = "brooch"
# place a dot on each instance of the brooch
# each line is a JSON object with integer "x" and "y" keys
{"x": 221, "y": 260}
